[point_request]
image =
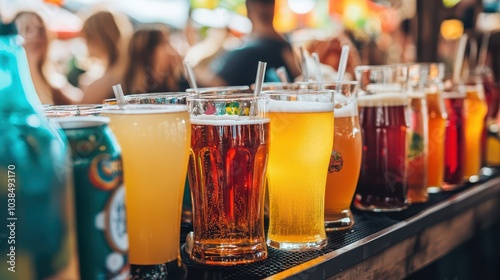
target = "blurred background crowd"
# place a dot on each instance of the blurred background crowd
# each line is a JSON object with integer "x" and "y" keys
{"x": 78, "y": 49}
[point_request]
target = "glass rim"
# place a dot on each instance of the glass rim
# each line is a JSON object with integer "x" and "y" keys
{"x": 153, "y": 107}
{"x": 153, "y": 94}
{"x": 228, "y": 97}
{"x": 215, "y": 89}
{"x": 378, "y": 67}
{"x": 302, "y": 91}
{"x": 77, "y": 122}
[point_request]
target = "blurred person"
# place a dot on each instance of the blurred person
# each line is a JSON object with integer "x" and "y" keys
{"x": 107, "y": 37}
{"x": 329, "y": 53}
{"x": 264, "y": 43}
{"x": 153, "y": 64}
{"x": 36, "y": 43}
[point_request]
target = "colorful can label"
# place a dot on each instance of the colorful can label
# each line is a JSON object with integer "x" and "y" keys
{"x": 99, "y": 198}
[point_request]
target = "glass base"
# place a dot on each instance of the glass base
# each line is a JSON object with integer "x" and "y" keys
{"x": 339, "y": 221}
{"x": 376, "y": 208}
{"x": 174, "y": 270}
{"x": 434, "y": 189}
{"x": 451, "y": 187}
{"x": 297, "y": 246}
{"x": 227, "y": 254}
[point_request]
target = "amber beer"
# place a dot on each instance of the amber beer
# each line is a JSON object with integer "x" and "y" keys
{"x": 475, "y": 110}
{"x": 227, "y": 168}
{"x": 345, "y": 160}
{"x": 437, "y": 121}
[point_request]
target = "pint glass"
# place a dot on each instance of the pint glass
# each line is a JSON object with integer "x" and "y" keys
{"x": 384, "y": 120}
{"x": 301, "y": 146}
{"x": 345, "y": 160}
{"x": 454, "y": 151}
{"x": 475, "y": 110}
{"x": 155, "y": 149}
{"x": 419, "y": 135}
{"x": 432, "y": 75}
{"x": 227, "y": 169}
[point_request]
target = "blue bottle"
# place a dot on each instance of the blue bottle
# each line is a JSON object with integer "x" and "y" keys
{"x": 37, "y": 238}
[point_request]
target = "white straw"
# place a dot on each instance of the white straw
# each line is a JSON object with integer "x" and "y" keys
{"x": 120, "y": 99}
{"x": 319, "y": 75}
{"x": 259, "y": 79}
{"x": 303, "y": 58}
{"x": 190, "y": 76}
{"x": 472, "y": 53}
{"x": 281, "y": 71}
{"x": 483, "y": 51}
{"x": 459, "y": 58}
{"x": 344, "y": 56}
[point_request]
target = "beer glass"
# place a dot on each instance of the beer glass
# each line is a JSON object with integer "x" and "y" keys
{"x": 432, "y": 75}
{"x": 155, "y": 149}
{"x": 227, "y": 167}
{"x": 345, "y": 159}
{"x": 419, "y": 135}
{"x": 493, "y": 100}
{"x": 384, "y": 120}
{"x": 454, "y": 151}
{"x": 475, "y": 110}
{"x": 302, "y": 141}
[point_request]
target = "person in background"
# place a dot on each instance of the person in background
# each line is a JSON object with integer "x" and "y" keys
{"x": 107, "y": 37}
{"x": 36, "y": 43}
{"x": 153, "y": 64}
{"x": 264, "y": 43}
{"x": 329, "y": 53}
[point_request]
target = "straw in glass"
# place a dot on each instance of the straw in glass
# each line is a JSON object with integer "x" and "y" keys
{"x": 344, "y": 56}
{"x": 303, "y": 58}
{"x": 459, "y": 59}
{"x": 259, "y": 80}
{"x": 483, "y": 51}
{"x": 319, "y": 75}
{"x": 120, "y": 99}
{"x": 281, "y": 71}
{"x": 191, "y": 77}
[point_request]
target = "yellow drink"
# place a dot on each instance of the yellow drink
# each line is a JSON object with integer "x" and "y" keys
{"x": 155, "y": 143}
{"x": 475, "y": 108}
{"x": 343, "y": 171}
{"x": 301, "y": 137}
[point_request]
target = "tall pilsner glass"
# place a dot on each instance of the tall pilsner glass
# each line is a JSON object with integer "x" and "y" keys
{"x": 384, "y": 120}
{"x": 155, "y": 148}
{"x": 301, "y": 145}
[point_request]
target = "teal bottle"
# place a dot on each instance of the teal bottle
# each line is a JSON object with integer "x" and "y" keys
{"x": 37, "y": 238}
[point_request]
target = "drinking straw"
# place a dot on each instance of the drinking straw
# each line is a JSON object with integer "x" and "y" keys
{"x": 282, "y": 74}
{"x": 191, "y": 78}
{"x": 344, "y": 56}
{"x": 472, "y": 53}
{"x": 319, "y": 75}
{"x": 259, "y": 80}
{"x": 483, "y": 51}
{"x": 459, "y": 59}
{"x": 305, "y": 71}
{"x": 120, "y": 99}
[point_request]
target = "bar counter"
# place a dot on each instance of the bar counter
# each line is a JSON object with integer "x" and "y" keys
{"x": 380, "y": 245}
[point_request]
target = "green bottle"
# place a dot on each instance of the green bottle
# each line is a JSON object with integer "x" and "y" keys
{"x": 37, "y": 237}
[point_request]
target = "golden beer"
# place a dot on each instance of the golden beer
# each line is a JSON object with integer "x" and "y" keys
{"x": 301, "y": 133}
{"x": 155, "y": 143}
{"x": 475, "y": 109}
